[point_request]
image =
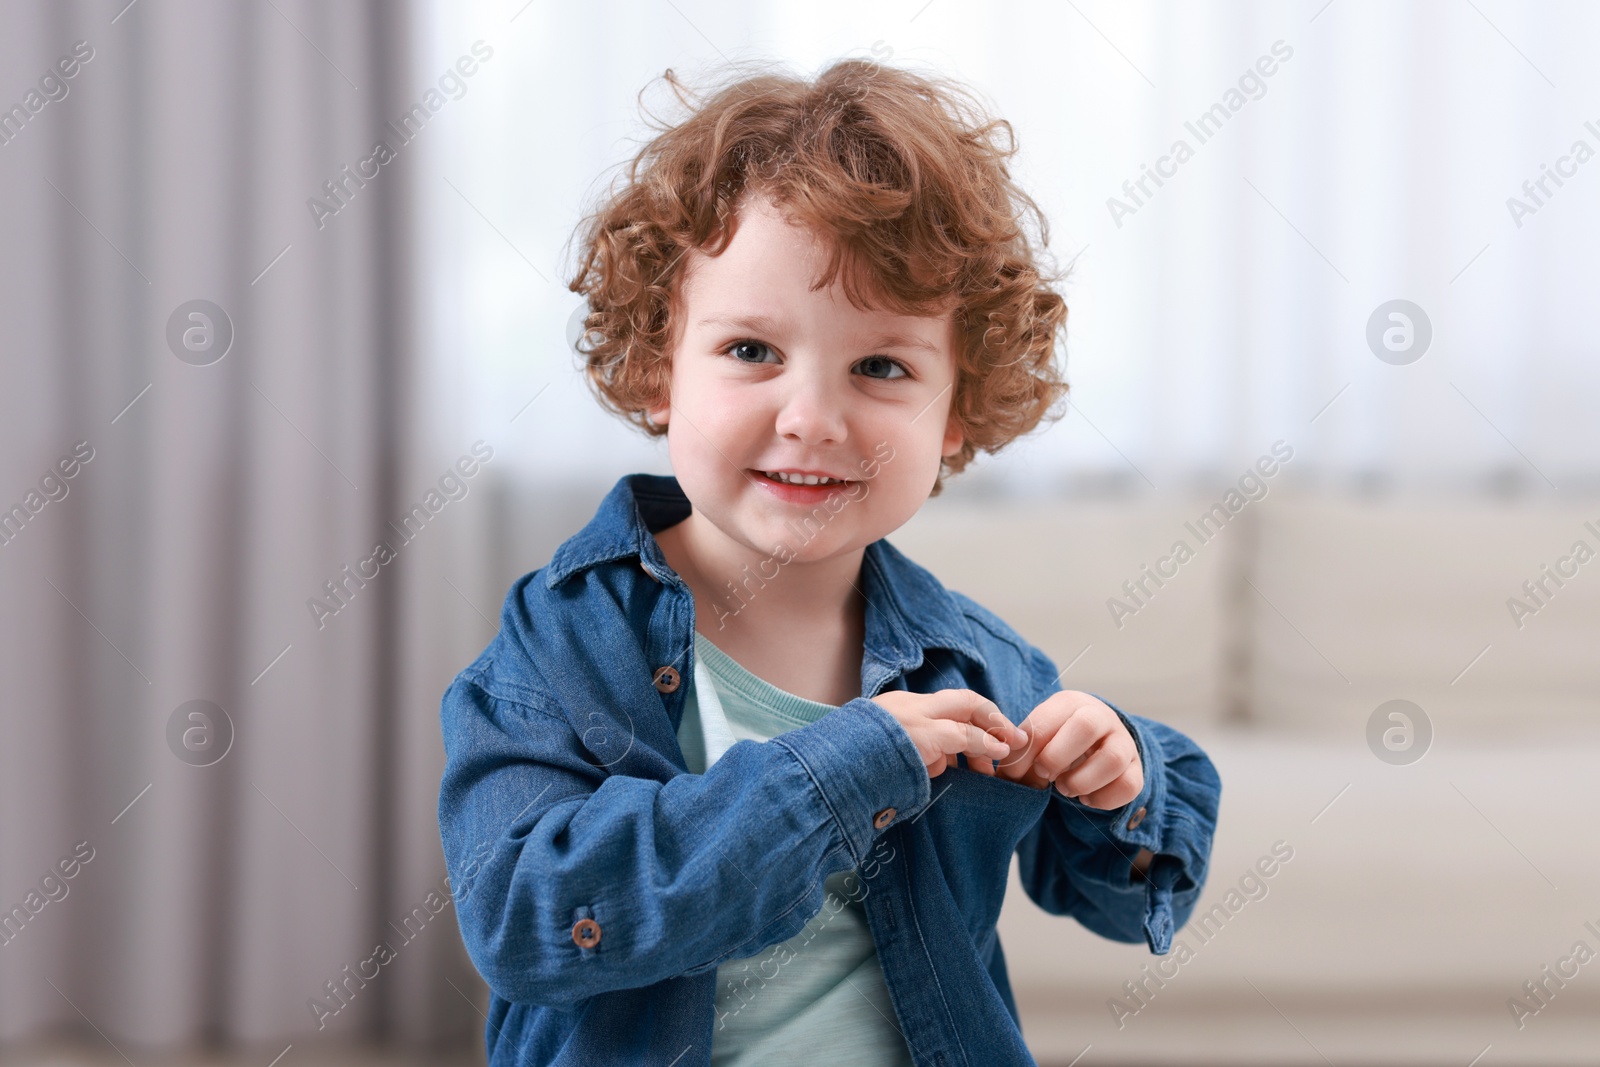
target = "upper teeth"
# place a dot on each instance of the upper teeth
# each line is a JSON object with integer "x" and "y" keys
{"x": 802, "y": 479}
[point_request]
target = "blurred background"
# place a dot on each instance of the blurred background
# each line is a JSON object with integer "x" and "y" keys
{"x": 268, "y": 269}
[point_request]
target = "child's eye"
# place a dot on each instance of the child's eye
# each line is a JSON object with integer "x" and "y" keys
{"x": 880, "y": 367}
{"x": 735, "y": 350}
{"x": 884, "y": 363}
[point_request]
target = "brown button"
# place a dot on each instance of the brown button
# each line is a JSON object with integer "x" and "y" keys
{"x": 1138, "y": 817}
{"x": 883, "y": 818}
{"x": 586, "y": 933}
{"x": 666, "y": 679}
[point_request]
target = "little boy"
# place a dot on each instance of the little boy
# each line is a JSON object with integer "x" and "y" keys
{"x": 738, "y": 782}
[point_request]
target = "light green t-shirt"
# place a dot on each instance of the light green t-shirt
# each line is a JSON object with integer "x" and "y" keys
{"x": 818, "y": 997}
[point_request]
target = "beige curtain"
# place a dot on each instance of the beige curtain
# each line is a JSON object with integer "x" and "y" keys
{"x": 180, "y": 481}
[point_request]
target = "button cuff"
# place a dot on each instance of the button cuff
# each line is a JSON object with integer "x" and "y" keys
{"x": 586, "y": 933}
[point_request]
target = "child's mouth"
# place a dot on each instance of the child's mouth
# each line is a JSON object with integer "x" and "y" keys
{"x": 796, "y": 491}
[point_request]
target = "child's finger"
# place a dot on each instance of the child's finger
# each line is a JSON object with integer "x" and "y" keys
{"x": 998, "y": 726}
{"x": 1018, "y": 765}
{"x": 1100, "y": 768}
{"x": 974, "y": 742}
{"x": 1017, "y": 762}
{"x": 1077, "y": 736}
{"x": 1118, "y": 792}
{"x": 964, "y": 704}
{"x": 957, "y": 704}
{"x": 1009, "y": 733}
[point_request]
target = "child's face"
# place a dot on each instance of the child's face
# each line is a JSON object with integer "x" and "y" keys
{"x": 819, "y": 386}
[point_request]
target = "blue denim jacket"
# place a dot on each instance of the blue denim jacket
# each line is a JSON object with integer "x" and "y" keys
{"x": 598, "y": 883}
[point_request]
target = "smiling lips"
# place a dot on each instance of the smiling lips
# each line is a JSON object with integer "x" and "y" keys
{"x": 799, "y": 487}
{"x": 788, "y": 477}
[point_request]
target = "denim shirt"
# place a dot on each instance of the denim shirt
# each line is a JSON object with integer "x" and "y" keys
{"x": 598, "y": 883}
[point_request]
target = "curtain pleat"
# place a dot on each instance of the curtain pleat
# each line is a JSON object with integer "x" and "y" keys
{"x": 220, "y": 499}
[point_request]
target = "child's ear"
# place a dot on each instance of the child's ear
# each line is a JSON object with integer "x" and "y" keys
{"x": 658, "y": 414}
{"x": 953, "y": 437}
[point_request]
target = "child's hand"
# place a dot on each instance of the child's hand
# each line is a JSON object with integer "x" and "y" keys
{"x": 953, "y": 721}
{"x": 1079, "y": 745}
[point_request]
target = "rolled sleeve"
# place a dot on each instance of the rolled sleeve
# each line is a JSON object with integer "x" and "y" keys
{"x": 867, "y": 768}
{"x": 1174, "y": 816}
{"x": 1079, "y": 860}
{"x": 576, "y": 882}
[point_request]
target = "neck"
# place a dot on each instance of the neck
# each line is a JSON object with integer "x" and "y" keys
{"x": 735, "y": 586}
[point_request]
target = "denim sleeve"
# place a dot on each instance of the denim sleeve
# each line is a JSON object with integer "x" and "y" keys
{"x": 675, "y": 876}
{"x": 1078, "y": 860}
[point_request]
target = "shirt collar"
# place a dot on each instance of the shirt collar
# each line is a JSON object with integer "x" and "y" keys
{"x": 908, "y": 609}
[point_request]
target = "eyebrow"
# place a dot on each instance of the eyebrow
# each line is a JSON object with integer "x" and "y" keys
{"x": 767, "y": 324}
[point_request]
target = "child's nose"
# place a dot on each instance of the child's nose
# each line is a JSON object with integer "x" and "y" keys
{"x": 813, "y": 411}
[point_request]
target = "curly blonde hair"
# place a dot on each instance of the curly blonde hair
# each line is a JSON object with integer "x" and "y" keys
{"x": 901, "y": 173}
